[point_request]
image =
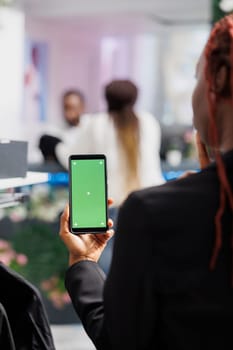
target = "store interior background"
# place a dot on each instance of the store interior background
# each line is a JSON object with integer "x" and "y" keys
{"x": 155, "y": 43}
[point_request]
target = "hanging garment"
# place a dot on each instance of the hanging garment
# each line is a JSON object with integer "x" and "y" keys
{"x": 25, "y": 311}
{"x": 6, "y": 336}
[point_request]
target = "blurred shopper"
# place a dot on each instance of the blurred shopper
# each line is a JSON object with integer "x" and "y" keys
{"x": 73, "y": 105}
{"x": 170, "y": 283}
{"x": 130, "y": 140}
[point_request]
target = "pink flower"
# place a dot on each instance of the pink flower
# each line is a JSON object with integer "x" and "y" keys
{"x": 49, "y": 284}
{"x": 66, "y": 298}
{"x": 54, "y": 281}
{"x": 4, "y": 245}
{"x": 56, "y": 299}
{"x": 21, "y": 259}
{"x": 7, "y": 257}
{"x": 46, "y": 285}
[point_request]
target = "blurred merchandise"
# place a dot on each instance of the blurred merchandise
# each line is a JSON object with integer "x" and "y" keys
{"x": 13, "y": 158}
{"x": 178, "y": 138}
{"x": 174, "y": 157}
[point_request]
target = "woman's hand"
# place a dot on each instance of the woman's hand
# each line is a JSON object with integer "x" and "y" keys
{"x": 86, "y": 246}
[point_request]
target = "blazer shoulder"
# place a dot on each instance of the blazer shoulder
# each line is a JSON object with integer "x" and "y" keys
{"x": 204, "y": 182}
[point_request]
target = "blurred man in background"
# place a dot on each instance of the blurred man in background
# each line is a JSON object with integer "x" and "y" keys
{"x": 73, "y": 105}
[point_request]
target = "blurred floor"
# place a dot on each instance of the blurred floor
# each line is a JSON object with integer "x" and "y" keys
{"x": 71, "y": 337}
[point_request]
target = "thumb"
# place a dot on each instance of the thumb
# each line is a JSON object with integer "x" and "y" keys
{"x": 104, "y": 238}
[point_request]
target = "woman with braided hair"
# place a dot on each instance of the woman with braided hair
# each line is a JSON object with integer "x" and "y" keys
{"x": 170, "y": 283}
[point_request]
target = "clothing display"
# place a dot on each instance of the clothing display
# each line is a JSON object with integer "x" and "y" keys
{"x": 6, "y": 336}
{"x": 25, "y": 311}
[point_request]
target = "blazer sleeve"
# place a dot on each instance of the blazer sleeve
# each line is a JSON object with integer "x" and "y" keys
{"x": 120, "y": 313}
{"x": 85, "y": 282}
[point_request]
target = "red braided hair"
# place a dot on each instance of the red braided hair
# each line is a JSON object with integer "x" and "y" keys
{"x": 218, "y": 53}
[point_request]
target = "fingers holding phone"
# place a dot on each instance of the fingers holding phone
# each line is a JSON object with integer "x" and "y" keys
{"x": 83, "y": 247}
{"x": 85, "y": 228}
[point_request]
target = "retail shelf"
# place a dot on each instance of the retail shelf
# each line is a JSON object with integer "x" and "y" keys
{"x": 32, "y": 178}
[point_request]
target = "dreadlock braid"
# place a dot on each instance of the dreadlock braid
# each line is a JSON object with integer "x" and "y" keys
{"x": 219, "y": 52}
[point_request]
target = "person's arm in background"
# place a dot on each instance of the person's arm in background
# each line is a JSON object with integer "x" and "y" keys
{"x": 150, "y": 151}
{"x": 81, "y": 144}
{"x": 47, "y": 145}
{"x": 126, "y": 318}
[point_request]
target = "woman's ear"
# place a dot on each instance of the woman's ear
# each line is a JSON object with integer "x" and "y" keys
{"x": 221, "y": 81}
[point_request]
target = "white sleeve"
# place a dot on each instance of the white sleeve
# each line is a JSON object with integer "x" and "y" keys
{"x": 63, "y": 152}
{"x": 80, "y": 143}
{"x": 150, "y": 154}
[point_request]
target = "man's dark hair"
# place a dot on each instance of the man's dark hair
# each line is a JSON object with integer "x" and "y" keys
{"x": 75, "y": 92}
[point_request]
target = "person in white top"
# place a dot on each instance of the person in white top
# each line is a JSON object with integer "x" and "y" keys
{"x": 130, "y": 141}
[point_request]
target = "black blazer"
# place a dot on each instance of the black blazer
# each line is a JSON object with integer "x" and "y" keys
{"x": 160, "y": 293}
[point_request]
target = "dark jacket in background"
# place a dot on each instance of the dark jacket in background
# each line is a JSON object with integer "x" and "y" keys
{"x": 160, "y": 293}
{"x": 25, "y": 311}
{"x": 6, "y": 336}
{"x": 47, "y": 145}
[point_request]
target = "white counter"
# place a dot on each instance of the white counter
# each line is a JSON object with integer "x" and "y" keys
{"x": 32, "y": 178}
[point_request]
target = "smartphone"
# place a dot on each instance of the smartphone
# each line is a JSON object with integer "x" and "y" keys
{"x": 88, "y": 194}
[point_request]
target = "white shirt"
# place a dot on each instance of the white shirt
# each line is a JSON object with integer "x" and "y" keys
{"x": 64, "y": 131}
{"x": 96, "y": 134}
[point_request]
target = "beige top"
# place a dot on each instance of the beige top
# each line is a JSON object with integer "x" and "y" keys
{"x": 96, "y": 134}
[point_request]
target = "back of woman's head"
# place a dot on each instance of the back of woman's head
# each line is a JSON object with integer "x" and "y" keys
{"x": 121, "y": 96}
{"x": 219, "y": 54}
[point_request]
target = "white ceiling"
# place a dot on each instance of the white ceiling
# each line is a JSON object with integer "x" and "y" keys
{"x": 171, "y": 10}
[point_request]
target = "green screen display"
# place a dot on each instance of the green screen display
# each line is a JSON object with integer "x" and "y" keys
{"x": 88, "y": 193}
